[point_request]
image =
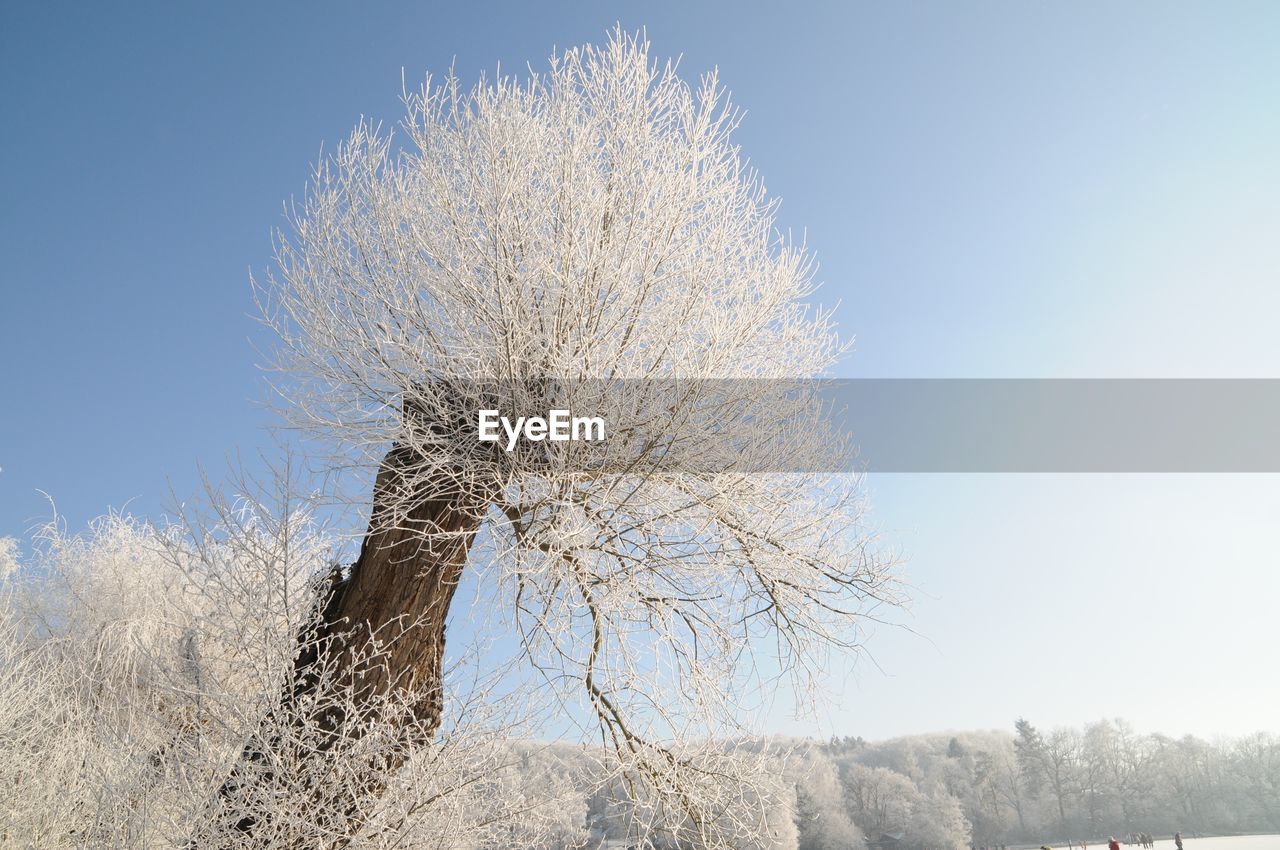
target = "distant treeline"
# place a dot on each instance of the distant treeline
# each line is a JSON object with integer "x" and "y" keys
{"x": 1062, "y": 785}
{"x": 951, "y": 791}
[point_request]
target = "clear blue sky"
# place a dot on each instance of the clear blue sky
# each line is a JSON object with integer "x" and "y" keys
{"x": 1000, "y": 189}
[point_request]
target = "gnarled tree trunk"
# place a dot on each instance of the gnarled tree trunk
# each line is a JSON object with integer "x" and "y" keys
{"x": 379, "y": 641}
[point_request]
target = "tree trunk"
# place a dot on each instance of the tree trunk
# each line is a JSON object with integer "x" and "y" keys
{"x": 395, "y": 598}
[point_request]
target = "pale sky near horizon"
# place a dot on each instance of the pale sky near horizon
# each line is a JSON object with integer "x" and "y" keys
{"x": 999, "y": 190}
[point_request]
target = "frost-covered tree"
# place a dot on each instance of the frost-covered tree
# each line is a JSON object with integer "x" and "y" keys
{"x": 587, "y": 237}
{"x": 1050, "y": 762}
{"x": 822, "y": 817}
{"x": 1255, "y": 761}
{"x": 937, "y": 823}
{"x": 879, "y": 799}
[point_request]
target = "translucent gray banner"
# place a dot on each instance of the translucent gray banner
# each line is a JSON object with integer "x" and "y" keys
{"x": 885, "y": 425}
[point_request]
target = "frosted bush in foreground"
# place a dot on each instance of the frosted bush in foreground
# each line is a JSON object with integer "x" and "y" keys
{"x": 136, "y": 661}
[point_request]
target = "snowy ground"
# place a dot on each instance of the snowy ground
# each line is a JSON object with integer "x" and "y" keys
{"x": 1234, "y": 842}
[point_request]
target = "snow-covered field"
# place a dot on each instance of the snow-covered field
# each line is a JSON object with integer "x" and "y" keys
{"x": 1230, "y": 842}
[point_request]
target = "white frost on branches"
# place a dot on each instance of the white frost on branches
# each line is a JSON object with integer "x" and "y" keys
{"x": 587, "y": 236}
{"x": 591, "y": 226}
{"x": 136, "y": 660}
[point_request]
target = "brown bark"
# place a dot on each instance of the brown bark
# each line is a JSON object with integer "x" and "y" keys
{"x": 396, "y": 597}
{"x": 400, "y": 588}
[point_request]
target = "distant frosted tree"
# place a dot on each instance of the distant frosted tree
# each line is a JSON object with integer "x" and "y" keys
{"x": 937, "y": 823}
{"x": 879, "y": 799}
{"x": 1029, "y": 746}
{"x": 1050, "y": 762}
{"x": 1256, "y": 762}
{"x": 1189, "y": 774}
{"x": 997, "y": 794}
{"x": 822, "y": 816}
